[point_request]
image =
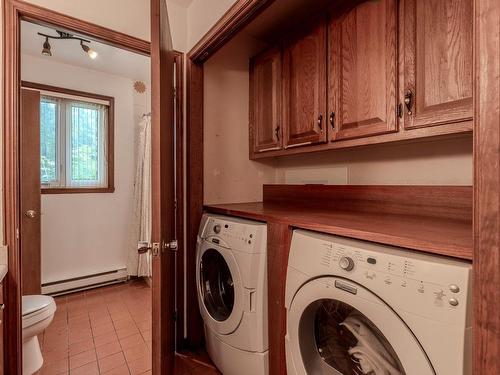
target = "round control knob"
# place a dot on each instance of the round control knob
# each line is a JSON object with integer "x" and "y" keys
{"x": 217, "y": 228}
{"x": 346, "y": 263}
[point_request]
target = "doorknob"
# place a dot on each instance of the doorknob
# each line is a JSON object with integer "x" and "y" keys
{"x": 30, "y": 213}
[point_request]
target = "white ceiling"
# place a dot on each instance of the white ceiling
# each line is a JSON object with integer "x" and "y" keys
{"x": 110, "y": 60}
{"x": 183, "y": 3}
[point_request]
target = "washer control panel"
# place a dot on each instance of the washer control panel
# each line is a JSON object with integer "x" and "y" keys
{"x": 234, "y": 233}
{"x": 417, "y": 282}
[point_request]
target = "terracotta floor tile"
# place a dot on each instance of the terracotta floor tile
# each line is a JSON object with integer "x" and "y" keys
{"x": 105, "y": 338}
{"x": 131, "y": 341}
{"x": 79, "y": 335}
{"x": 121, "y": 370}
{"x": 140, "y": 365}
{"x": 101, "y": 329}
{"x": 126, "y": 332}
{"x": 55, "y": 368}
{"x": 82, "y": 359}
{"x": 55, "y": 345}
{"x": 51, "y": 356}
{"x": 136, "y": 351}
{"x": 81, "y": 346}
{"x": 124, "y": 323}
{"x": 88, "y": 369}
{"x": 111, "y": 362}
{"x": 108, "y": 349}
{"x": 144, "y": 326}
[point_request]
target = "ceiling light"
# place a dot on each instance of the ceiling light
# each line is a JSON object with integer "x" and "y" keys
{"x": 65, "y": 36}
{"x": 46, "y": 48}
{"x": 92, "y": 54}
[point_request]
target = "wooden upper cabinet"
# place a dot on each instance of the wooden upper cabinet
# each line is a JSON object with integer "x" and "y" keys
{"x": 438, "y": 62}
{"x": 362, "y": 66}
{"x": 304, "y": 87}
{"x": 265, "y": 102}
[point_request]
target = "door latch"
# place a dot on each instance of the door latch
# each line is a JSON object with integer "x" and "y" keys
{"x": 172, "y": 245}
{"x": 155, "y": 249}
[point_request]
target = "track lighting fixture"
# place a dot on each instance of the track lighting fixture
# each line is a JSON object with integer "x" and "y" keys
{"x": 46, "y": 51}
{"x": 46, "y": 47}
{"x": 89, "y": 51}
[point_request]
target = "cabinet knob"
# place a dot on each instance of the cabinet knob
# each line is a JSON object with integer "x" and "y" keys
{"x": 409, "y": 101}
{"x": 332, "y": 119}
{"x": 277, "y": 132}
{"x": 320, "y": 122}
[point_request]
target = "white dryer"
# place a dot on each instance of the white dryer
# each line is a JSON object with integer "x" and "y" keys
{"x": 354, "y": 306}
{"x": 232, "y": 293}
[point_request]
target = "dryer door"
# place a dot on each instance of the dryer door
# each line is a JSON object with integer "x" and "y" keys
{"x": 220, "y": 289}
{"x": 337, "y": 327}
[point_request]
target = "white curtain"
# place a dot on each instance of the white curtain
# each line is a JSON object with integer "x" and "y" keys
{"x": 140, "y": 264}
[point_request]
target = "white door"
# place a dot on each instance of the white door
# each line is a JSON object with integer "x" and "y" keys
{"x": 337, "y": 327}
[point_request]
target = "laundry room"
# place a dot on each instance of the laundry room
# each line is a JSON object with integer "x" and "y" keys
{"x": 250, "y": 187}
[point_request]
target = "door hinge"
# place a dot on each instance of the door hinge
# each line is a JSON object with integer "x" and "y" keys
{"x": 172, "y": 245}
{"x": 175, "y": 315}
{"x": 399, "y": 110}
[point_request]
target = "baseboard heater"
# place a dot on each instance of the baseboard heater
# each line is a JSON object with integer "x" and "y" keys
{"x": 76, "y": 284}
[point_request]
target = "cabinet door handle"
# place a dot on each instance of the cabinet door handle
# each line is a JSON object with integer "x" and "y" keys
{"x": 332, "y": 119}
{"x": 277, "y": 132}
{"x": 409, "y": 101}
{"x": 320, "y": 122}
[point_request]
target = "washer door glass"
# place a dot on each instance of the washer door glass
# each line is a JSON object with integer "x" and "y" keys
{"x": 216, "y": 284}
{"x": 336, "y": 338}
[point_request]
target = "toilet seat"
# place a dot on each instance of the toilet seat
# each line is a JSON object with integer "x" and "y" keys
{"x": 36, "y": 308}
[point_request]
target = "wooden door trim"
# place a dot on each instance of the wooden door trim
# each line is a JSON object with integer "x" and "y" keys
{"x": 486, "y": 258}
{"x": 179, "y": 152}
{"x": 13, "y": 12}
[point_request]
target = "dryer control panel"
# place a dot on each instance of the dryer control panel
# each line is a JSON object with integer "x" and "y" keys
{"x": 234, "y": 233}
{"x": 431, "y": 286}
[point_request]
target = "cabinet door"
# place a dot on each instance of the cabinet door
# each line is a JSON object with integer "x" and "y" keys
{"x": 362, "y": 88}
{"x": 304, "y": 87}
{"x": 438, "y": 62}
{"x": 265, "y": 101}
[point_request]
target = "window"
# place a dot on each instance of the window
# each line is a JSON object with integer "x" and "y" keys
{"x": 76, "y": 145}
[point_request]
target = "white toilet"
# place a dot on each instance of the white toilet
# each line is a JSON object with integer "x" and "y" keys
{"x": 38, "y": 312}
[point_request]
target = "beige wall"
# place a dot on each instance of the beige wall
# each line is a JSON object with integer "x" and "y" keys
{"x": 228, "y": 174}
{"x": 443, "y": 162}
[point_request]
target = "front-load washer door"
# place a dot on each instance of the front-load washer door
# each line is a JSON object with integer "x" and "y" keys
{"x": 337, "y": 327}
{"x": 220, "y": 289}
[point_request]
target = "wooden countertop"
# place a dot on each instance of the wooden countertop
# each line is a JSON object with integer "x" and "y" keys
{"x": 444, "y": 236}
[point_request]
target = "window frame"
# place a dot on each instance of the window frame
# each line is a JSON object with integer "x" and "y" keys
{"x": 110, "y": 188}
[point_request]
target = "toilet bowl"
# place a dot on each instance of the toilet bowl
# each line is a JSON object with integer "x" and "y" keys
{"x": 38, "y": 312}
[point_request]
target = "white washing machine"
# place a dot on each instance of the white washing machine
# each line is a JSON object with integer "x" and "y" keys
{"x": 232, "y": 293}
{"x": 355, "y": 307}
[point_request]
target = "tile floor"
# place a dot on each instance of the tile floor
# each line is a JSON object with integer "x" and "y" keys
{"x": 106, "y": 331}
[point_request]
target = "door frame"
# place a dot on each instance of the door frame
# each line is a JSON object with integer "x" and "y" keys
{"x": 14, "y": 11}
{"x": 486, "y": 258}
